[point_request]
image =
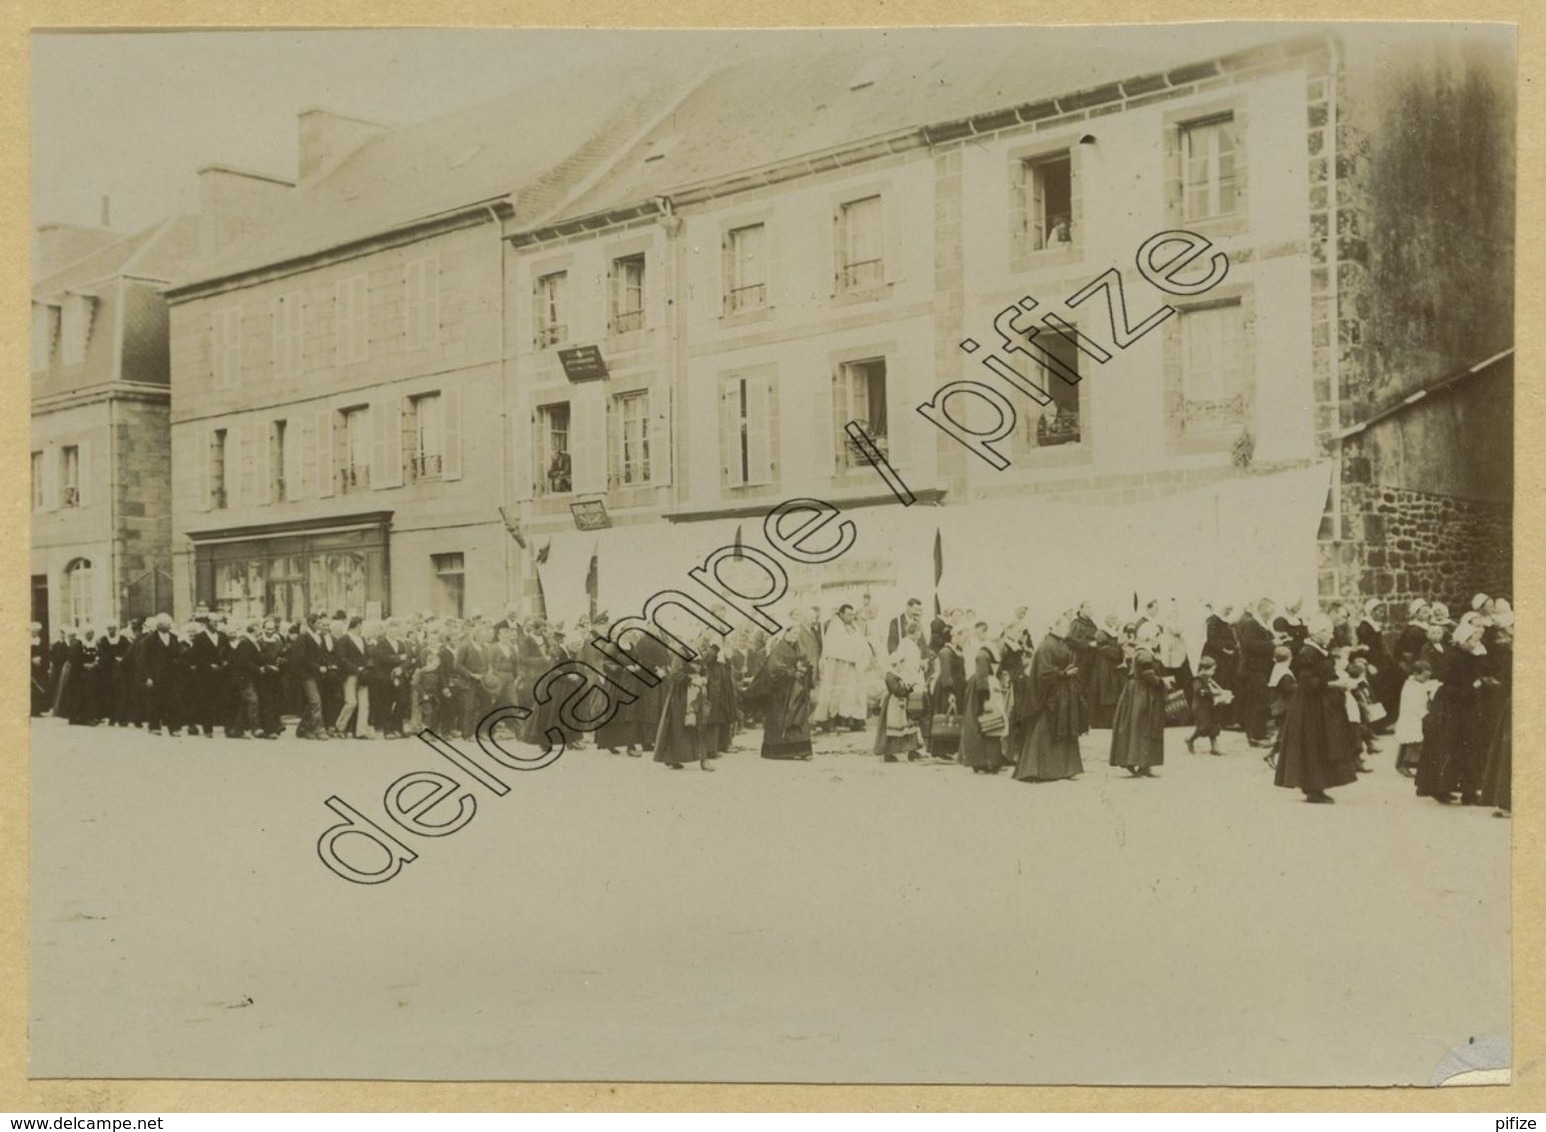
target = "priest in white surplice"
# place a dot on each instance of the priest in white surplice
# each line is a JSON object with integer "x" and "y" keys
{"x": 846, "y": 655}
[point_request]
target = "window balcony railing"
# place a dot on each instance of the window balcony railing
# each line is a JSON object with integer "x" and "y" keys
{"x": 356, "y": 477}
{"x": 863, "y": 275}
{"x": 217, "y": 501}
{"x": 624, "y": 322}
{"x": 551, "y": 335}
{"x": 753, "y": 296}
{"x": 426, "y": 467}
{"x": 1063, "y": 428}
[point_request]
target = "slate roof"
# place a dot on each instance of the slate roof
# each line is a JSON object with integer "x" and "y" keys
{"x": 797, "y": 97}
{"x": 161, "y": 252}
{"x": 745, "y": 100}
{"x": 536, "y": 143}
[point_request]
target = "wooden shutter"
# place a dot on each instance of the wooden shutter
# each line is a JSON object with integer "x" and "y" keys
{"x": 293, "y": 458}
{"x": 839, "y": 389}
{"x": 525, "y": 444}
{"x": 386, "y": 464}
{"x": 588, "y": 439}
{"x": 324, "y": 447}
{"x": 206, "y": 459}
{"x": 759, "y": 430}
{"x": 250, "y": 434}
{"x": 730, "y": 431}
{"x": 265, "y": 442}
{"x": 662, "y": 452}
{"x": 451, "y": 434}
{"x": 616, "y": 426}
{"x": 306, "y": 461}
{"x": 51, "y": 458}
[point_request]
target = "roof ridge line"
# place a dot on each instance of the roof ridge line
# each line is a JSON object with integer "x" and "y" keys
{"x": 604, "y": 168}
{"x": 161, "y": 229}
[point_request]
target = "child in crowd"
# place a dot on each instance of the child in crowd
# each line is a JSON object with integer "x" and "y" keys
{"x": 1416, "y": 694}
{"x": 1207, "y": 698}
{"x": 1280, "y": 686}
{"x": 1355, "y": 673}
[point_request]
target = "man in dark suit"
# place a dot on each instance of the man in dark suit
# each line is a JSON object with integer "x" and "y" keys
{"x": 383, "y": 669}
{"x": 208, "y": 657}
{"x": 349, "y": 657}
{"x": 155, "y": 673}
{"x": 902, "y": 625}
{"x": 307, "y": 657}
{"x": 331, "y": 681}
{"x": 472, "y": 658}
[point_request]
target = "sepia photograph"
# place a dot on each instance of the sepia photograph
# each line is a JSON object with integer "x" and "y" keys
{"x": 1058, "y": 482}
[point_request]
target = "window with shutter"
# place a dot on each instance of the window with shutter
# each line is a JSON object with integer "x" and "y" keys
{"x": 861, "y": 239}
{"x": 1208, "y": 167}
{"x": 552, "y": 446}
{"x": 70, "y": 476}
{"x": 746, "y": 283}
{"x": 732, "y": 431}
{"x": 550, "y": 310}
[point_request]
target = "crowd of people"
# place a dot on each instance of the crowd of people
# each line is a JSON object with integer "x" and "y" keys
{"x": 1315, "y": 692}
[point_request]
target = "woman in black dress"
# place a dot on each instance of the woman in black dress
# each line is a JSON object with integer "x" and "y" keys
{"x": 1138, "y": 728}
{"x": 945, "y": 695}
{"x": 1451, "y": 758}
{"x": 1049, "y": 710}
{"x": 983, "y": 753}
{"x": 1109, "y": 677}
{"x": 1498, "y": 711}
{"x": 1220, "y": 644}
{"x": 1317, "y": 751}
{"x": 1387, "y": 678}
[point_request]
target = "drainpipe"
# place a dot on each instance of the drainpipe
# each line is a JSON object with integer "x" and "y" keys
{"x": 671, "y": 223}
{"x": 1334, "y": 297}
{"x": 506, "y": 500}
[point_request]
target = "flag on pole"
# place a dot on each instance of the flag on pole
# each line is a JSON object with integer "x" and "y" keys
{"x": 939, "y": 567}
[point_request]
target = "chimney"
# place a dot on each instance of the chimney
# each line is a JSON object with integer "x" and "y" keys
{"x": 233, "y": 200}
{"x": 56, "y": 245}
{"x": 328, "y": 138}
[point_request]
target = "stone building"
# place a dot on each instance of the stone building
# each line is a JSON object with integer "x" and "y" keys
{"x": 338, "y": 425}
{"x": 100, "y": 461}
{"x": 660, "y": 300}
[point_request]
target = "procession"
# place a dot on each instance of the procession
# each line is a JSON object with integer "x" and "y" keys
{"x": 1315, "y": 694}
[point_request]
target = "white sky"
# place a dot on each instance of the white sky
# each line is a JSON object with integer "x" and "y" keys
{"x": 133, "y": 116}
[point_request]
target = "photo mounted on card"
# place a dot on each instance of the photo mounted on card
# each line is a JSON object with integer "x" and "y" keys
{"x": 971, "y": 555}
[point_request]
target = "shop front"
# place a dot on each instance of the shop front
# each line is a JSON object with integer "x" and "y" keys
{"x": 289, "y": 571}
